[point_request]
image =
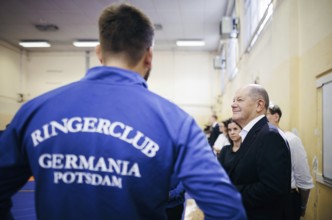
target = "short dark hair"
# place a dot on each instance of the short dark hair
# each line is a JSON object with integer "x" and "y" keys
{"x": 275, "y": 109}
{"x": 125, "y": 29}
{"x": 226, "y": 122}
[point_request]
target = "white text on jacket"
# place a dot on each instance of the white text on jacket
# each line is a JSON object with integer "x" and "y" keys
{"x": 115, "y": 129}
{"x": 79, "y": 169}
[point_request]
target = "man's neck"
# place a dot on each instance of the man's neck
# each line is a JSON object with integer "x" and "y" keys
{"x": 119, "y": 63}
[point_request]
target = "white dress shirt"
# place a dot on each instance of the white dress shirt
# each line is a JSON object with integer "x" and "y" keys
{"x": 221, "y": 141}
{"x": 246, "y": 129}
{"x": 301, "y": 177}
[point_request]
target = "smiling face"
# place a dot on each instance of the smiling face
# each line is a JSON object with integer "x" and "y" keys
{"x": 247, "y": 105}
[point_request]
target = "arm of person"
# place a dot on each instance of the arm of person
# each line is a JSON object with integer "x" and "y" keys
{"x": 304, "y": 194}
{"x": 302, "y": 176}
{"x": 273, "y": 173}
{"x": 203, "y": 177}
{"x": 222, "y": 155}
{"x": 178, "y": 191}
{"x": 14, "y": 170}
{"x": 176, "y": 196}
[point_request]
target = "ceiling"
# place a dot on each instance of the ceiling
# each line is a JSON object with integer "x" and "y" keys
{"x": 77, "y": 19}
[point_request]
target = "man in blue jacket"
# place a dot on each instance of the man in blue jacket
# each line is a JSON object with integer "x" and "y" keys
{"x": 105, "y": 147}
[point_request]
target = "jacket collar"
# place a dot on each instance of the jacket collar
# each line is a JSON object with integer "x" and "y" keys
{"x": 114, "y": 75}
{"x": 248, "y": 140}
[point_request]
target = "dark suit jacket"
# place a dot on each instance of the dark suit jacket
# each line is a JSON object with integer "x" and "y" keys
{"x": 214, "y": 134}
{"x": 262, "y": 173}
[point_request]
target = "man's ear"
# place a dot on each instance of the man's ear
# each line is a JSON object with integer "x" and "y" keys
{"x": 260, "y": 105}
{"x": 148, "y": 58}
{"x": 99, "y": 53}
{"x": 277, "y": 117}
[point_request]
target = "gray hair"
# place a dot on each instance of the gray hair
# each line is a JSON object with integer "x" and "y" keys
{"x": 258, "y": 92}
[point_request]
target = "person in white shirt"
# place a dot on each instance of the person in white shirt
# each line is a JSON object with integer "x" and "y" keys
{"x": 301, "y": 178}
{"x": 222, "y": 139}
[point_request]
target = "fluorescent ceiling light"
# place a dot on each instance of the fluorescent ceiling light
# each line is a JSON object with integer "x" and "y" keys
{"x": 34, "y": 44}
{"x": 87, "y": 43}
{"x": 190, "y": 43}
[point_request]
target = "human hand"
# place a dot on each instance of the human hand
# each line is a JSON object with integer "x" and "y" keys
{"x": 303, "y": 209}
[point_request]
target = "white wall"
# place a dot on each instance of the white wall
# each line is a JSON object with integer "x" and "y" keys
{"x": 10, "y": 82}
{"x": 46, "y": 71}
{"x": 186, "y": 78}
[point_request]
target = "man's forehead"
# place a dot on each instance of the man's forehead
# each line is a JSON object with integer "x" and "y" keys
{"x": 242, "y": 92}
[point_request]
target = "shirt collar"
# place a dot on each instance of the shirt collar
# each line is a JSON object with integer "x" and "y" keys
{"x": 248, "y": 127}
{"x": 109, "y": 74}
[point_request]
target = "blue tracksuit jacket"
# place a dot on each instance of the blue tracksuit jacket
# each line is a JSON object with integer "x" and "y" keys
{"x": 105, "y": 147}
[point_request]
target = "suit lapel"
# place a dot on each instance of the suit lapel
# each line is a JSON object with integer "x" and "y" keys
{"x": 251, "y": 136}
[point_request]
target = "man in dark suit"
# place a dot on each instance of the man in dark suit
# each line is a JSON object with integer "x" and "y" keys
{"x": 261, "y": 169}
{"x": 214, "y": 130}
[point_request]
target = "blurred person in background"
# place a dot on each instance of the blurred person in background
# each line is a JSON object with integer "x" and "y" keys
{"x": 214, "y": 130}
{"x": 222, "y": 139}
{"x": 301, "y": 178}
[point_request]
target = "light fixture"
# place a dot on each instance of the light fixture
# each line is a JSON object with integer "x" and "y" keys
{"x": 47, "y": 27}
{"x": 85, "y": 43}
{"x": 190, "y": 43}
{"x": 34, "y": 43}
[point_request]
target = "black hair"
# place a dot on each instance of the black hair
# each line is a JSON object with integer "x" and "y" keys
{"x": 274, "y": 109}
{"x": 125, "y": 29}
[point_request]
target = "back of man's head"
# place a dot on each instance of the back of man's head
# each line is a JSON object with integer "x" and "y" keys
{"x": 258, "y": 92}
{"x": 275, "y": 109}
{"x": 125, "y": 31}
